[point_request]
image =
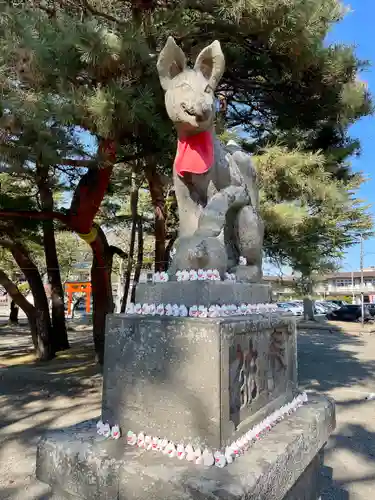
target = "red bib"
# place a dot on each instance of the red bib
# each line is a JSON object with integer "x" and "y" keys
{"x": 195, "y": 154}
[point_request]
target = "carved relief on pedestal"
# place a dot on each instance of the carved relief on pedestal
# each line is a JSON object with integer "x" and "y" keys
{"x": 276, "y": 357}
{"x": 259, "y": 371}
{"x": 243, "y": 380}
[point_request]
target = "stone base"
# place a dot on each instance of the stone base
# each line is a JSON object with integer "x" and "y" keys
{"x": 282, "y": 465}
{"x": 180, "y": 378}
{"x": 203, "y": 293}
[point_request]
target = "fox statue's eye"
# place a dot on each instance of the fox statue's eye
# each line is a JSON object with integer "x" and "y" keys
{"x": 208, "y": 89}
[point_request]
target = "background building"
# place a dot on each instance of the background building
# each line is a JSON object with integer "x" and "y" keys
{"x": 340, "y": 284}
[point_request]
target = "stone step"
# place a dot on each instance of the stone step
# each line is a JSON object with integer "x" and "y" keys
{"x": 283, "y": 465}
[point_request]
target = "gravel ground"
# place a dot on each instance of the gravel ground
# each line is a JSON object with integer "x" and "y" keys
{"x": 339, "y": 364}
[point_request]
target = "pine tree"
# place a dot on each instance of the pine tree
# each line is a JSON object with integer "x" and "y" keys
{"x": 22, "y": 240}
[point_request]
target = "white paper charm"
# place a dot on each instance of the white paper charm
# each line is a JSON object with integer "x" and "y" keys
{"x": 216, "y": 275}
{"x": 220, "y": 460}
{"x": 185, "y": 276}
{"x": 189, "y": 452}
{"x": 198, "y": 457}
{"x": 163, "y": 446}
{"x": 130, "y": 308}
{"x": 145, "y": 309}
{"x": 168, "y": 310}
{"x": 229, "y": 455}
{"x": 106, "y": 430}
{"x": 170, "y": 450}
{"x": 115, "y": 432}
{"x": 156, "y": 277}
{"x": 193, "y": 311}
{"x": 193, "y": 275}
{"x": 160, "y": 309}
{"x": 183, "y": 310}
{"x": 208, "y": 458}
{"x": 99, "y": 427}
{"x": 131, "y": 438}
{"x": 202, "y": 312}
{"x": 213, "y": 312}
{"x": 181, "y": 452}
{"x": 175, "y": 310}
{"x": 154, "y": 443}
{"x": 202, "y": 274}
{"x": 138, "y": 308}
{"x": 164, "y": 277}
{"x": 141, "y": 440}
{"x": 210, "y": 274}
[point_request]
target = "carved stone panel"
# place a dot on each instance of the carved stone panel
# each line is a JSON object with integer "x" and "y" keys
{"x": 261, "y": 368}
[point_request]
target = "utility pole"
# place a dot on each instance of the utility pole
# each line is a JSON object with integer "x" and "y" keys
{"x": 353, "y": 298}
{"x": 362, "y": 284}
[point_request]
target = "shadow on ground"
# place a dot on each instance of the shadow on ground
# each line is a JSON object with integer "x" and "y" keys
{"x": 328, "y": 359}
{"x": 335, "y": 362}
{"x": 16, "y": 350}
{"x": 35, "y": 397}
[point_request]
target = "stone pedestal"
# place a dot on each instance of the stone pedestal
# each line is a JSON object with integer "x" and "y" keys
{"x": 203, "y": 381}
{"x": 203, "y": 293}
{"x": 198, "y": 381}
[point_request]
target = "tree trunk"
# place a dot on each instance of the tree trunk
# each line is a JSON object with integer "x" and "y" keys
{"x": 138, "y": 267}
{"x": 85, "y": 204}
{"x": 158, "y": 201}
{"x": 60, "y": 334}
{"x": 36, "y": 321}
{"x": 102, "y": 291}
{"x": 13, "y": 315}
{"x": 42, "y": 323}
{"x": 134, "y": 213}
{"x": 308, "y": 303}
{"x": 168, "y": 249}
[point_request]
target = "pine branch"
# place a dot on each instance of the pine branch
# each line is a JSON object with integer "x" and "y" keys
{"x": 71, "y": 162}
{"x": 32, "y": 214}
{"x": 117, "y": 251}
{"x": 98, "y": 13}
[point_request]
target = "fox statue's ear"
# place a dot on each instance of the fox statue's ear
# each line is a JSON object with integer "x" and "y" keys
{"x": 211, "y": 63}
{"x": 171, "y": 62}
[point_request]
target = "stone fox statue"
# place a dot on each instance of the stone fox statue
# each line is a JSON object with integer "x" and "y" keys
{"x": 215, "y": 187}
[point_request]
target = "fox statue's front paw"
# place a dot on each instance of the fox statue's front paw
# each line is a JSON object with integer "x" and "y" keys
{"x": 248, "y": 274}
{"x": 197, "y": 252}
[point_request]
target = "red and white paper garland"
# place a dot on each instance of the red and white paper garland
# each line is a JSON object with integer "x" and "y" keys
{"x": 194, "y": 275}
{"x": 207, "y": 457}
{"x": 200, "y": 311}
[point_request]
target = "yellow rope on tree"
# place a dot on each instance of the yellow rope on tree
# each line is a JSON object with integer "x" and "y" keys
{"x": 89, "y": 237}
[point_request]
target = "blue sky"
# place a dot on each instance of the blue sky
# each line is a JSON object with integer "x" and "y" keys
{"x": 358, "y": 29}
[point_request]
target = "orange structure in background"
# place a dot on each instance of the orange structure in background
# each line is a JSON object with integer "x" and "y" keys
{"x": 78, "y": 287}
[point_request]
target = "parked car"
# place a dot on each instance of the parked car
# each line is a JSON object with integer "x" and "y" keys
{"x": 340, "y": 303}
{"x": 320, "y": 308}
{"x": 349, "y": 313}
{"x": 371, "y": 308}
{"x": 329, "y": 305}
{"x": 291, "y": 308}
